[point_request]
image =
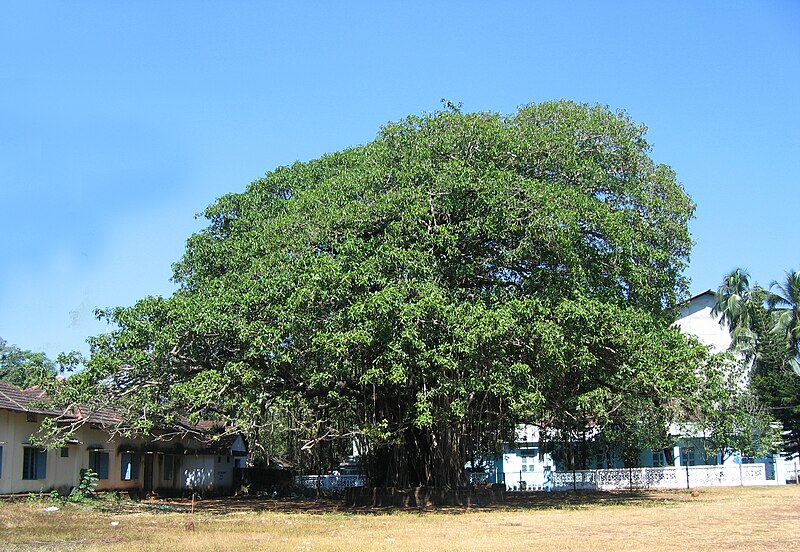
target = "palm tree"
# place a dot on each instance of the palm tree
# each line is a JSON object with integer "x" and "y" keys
{"x": 785, "y": 302}
{"x": 736, "y": 302}
{"x": 765, "y": 330}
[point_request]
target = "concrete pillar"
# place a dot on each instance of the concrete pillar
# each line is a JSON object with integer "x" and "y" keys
{"x": 676, "y": 454}
{"x": 780, "y": 469}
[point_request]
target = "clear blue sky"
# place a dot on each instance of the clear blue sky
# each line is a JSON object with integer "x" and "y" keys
{"x": 119, "y": 121}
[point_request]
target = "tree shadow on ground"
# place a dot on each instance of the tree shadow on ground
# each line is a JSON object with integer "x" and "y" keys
{"x": 515, "y": 501}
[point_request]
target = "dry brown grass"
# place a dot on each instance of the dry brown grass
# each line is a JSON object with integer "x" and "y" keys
{"x": 750, "y": 518}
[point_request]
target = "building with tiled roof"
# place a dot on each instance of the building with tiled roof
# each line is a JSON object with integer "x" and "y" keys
{"x": 174, "y": 462}
{"x": 32, "y": 399}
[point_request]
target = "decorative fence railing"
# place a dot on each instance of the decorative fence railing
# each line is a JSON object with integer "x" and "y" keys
{"x": 336, "y": 482}
{"x": 478, "y": 478}
{"x": 329, "y": 482}
{"x": 679, "y": 477}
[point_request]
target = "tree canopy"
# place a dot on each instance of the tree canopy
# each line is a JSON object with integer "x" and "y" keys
{"x": 424, "y": 293}
{"x": 23, "y": 368}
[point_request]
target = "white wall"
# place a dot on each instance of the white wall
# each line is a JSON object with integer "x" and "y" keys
{"x": 697, "y": 319}
{"x": 207, "y": 472}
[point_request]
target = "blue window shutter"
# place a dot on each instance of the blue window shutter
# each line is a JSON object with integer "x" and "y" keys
{"x": 102, "y": 468}
{"x": 99, "y": 463}
{"x": 41, "y": 464}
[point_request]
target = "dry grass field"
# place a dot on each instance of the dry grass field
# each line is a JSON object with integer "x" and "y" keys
{"x": 749, "y": 518}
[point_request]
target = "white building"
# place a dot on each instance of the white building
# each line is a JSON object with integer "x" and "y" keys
{"x": 697, "y": 319}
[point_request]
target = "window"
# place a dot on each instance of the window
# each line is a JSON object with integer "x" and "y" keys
{"x": 31, "y": 417}
{"x": 98, "y": 463}
{"x": 130, "y": 466}
{"x": 658, "y": 459}
{"x": 169, "y": 467}
{"x": 34, "y": 463}
{"x": 64, "y": 452}
{"x": 688, "y": 456}
{"x": 528, "y": 463}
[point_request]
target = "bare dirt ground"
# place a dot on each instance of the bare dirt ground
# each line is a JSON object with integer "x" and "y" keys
{"x": 742, "y": 518}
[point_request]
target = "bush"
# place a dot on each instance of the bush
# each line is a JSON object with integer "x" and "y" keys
{"x": 85, "y": 488}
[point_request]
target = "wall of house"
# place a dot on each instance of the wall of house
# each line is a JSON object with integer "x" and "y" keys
{"x": 202, "y": 472}
{"x": 15, "y": 433}
{"x": 95, "y": 439}
{"x": 167, "y": 481}
{"x": 63, "y": 466}
{"x": 697, "y": 319}
{"x": 208, "y": 473}
{"x": 198, "y": 472}
{"x": 223, "y": 472}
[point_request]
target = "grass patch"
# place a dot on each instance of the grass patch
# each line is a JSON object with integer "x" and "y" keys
{"x": 739, "y": 518}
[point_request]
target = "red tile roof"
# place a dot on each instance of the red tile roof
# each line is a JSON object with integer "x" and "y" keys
{"x": 212, "y": 434}
{"x": 23, "y": 400}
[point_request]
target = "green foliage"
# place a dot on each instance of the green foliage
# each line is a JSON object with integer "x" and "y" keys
{"x": 764, "y": 327}
{"x": 785, "y": 303}
{"x": 85, "y": 488}
{"x": 423, "y": 294}
{"x": 779, "y": 390}
{"x": 731, "y": 416}
{"x": 23, "y": 368}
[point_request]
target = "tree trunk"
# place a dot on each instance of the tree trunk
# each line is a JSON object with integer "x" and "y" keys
{"x": 423, "y": 458}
